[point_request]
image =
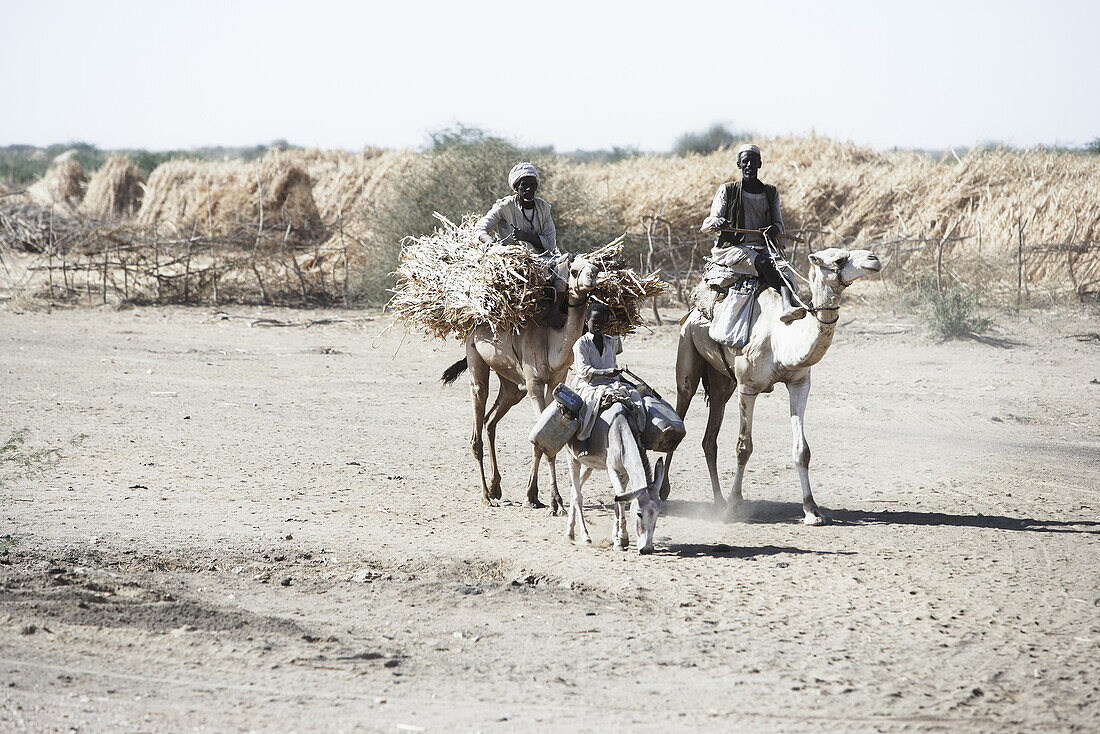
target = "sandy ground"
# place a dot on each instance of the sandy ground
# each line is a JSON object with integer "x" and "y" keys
{"x": 279, "y": 529}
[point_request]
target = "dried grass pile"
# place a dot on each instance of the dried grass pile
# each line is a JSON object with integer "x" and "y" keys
{"x": 224, "y": 199}
{"x": 114, "y": 191}
{"x": 62, "y": 186}
{"x": 448, "y": 283}
{"x": 856, "y": 196}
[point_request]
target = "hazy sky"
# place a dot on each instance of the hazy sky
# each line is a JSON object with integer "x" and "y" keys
{"x": 572, "y": 74}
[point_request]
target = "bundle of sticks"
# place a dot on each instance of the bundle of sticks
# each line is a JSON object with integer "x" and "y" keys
{"x": 448, "y": 282}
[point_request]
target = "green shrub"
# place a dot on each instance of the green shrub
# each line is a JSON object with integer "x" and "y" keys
{"x": 16, "y": 462}
{"x": 950, "y": 313}
{"x": 716, "y": 137}
{"x": 463, "y": 171}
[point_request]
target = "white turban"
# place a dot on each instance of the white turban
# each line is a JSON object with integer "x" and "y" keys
{"x": 748, "y": 148}
{"x": 519, "y": 171}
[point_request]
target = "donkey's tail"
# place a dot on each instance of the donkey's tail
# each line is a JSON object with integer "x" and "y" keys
{"x": 451, "y": 373}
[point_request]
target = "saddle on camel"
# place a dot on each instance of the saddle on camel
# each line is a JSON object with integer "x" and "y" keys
{"x": 748, "y": 220}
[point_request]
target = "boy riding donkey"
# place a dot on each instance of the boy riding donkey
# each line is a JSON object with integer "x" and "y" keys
{"x": 746, "y": 215}
{"x": 523, "y": 217}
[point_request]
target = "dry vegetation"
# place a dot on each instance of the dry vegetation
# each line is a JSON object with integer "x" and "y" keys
{"x": 298, "y": 226}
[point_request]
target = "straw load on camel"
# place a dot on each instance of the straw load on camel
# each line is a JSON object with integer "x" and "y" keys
{"x": 62, "y": 187}
{"x": 114, "y": 191}
{"x": 449, "y": 282}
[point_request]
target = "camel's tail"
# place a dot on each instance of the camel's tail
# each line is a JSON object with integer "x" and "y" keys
{"x": 451, "y": 373}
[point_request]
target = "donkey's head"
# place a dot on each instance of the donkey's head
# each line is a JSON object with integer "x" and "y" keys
{"x": 645, "y": 508}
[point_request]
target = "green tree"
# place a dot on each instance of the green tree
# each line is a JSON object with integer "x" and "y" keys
{"x": 708, "y": 141}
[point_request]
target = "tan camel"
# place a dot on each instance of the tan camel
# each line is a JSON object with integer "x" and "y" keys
{"x": 776, "y": 352}
{"x": 532, "y": 362}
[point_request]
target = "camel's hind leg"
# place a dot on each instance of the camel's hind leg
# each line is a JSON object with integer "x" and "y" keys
{"x": 689, "y": 370}
{"x": 719, "y": 390}
{"x": 800, "y": 392}
{"x": 479, "y": 391}
{"x": 507, "y": 396}
{"x": 745, "y": 404}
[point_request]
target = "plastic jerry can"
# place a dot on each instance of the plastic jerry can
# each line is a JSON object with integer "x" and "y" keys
{"x": 663, "y": 428}
{"x": 558, "y": 422}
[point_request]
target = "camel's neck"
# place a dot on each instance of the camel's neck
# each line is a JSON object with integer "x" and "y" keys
{"x": 803, "y": 343}
{"x": 574, "y": 327}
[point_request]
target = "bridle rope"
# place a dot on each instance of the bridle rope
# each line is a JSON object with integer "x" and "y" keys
{"x": 782, "y": 265}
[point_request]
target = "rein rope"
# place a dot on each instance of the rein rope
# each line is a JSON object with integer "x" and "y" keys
{"x": 781, "y": 266}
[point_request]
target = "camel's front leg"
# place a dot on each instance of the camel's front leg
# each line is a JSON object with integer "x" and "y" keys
{"x": 580, "y": 475}
{"x": 539, "y": 391}
{"x": 689, "y": 370}
{"x": 745, "y": 405}
{"x": 720, "y": 390}
{"x": 536, "y": 389}
{"x": 800, "y": 393}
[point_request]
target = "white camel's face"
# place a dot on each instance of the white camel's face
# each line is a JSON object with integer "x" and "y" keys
{"x": 842, "y": 267}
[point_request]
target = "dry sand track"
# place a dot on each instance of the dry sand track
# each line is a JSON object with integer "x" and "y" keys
{"x": 279, "y": 529}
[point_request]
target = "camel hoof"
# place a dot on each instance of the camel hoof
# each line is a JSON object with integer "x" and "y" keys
{"x": 534, "y": 504}
{"x": 815, "y": 520}
{"x": 489, "y": 502}
{"x": 557, "y": 512}
{"x": 736, "y": 513}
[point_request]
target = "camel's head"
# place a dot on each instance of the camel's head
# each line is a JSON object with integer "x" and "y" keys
{"x": 582, "y": 276}
{"x": 645, "y": 507}
{"x": 840, "y": 268}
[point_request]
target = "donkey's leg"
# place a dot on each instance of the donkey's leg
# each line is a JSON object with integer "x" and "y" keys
{"x": 580, "y": 475}
{"x": 507, "y": 396}
{"x": 721, "y": 388}
{"x": 620, "y": 481}
{"x": 745, "y": 404}
{"x": 800, "y": 392}
{"x": 479, "y": 391}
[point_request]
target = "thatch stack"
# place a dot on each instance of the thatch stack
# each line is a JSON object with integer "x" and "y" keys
{"x": 114, "y": 191}
{"x": 856, "y": 196}
{"x": 224, "y": 198}
{"x": 62, "y": 187}
{"x": 448, "y": 283}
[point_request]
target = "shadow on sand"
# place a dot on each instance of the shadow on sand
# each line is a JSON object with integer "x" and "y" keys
{"x": 995, "y": 522}
{"x": 767, "y": 511}
{"x": 722, "y": 550}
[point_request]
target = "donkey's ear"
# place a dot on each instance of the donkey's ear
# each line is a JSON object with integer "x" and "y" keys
{"x": 628, "y": 496}
{"x": 659, "y": 473}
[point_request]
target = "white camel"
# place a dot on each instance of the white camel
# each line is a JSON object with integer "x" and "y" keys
{"x": 614, "y": 447}
{"x": 532, "y": 362}
{"x": 776, "y": 352}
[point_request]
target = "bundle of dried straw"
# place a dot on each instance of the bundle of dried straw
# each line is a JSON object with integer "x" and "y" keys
{"x": 449, "y": 282}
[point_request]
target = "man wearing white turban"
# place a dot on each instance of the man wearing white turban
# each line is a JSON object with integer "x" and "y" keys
{"x": 754, "y": 205}
{"x": 523, "y": 217}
